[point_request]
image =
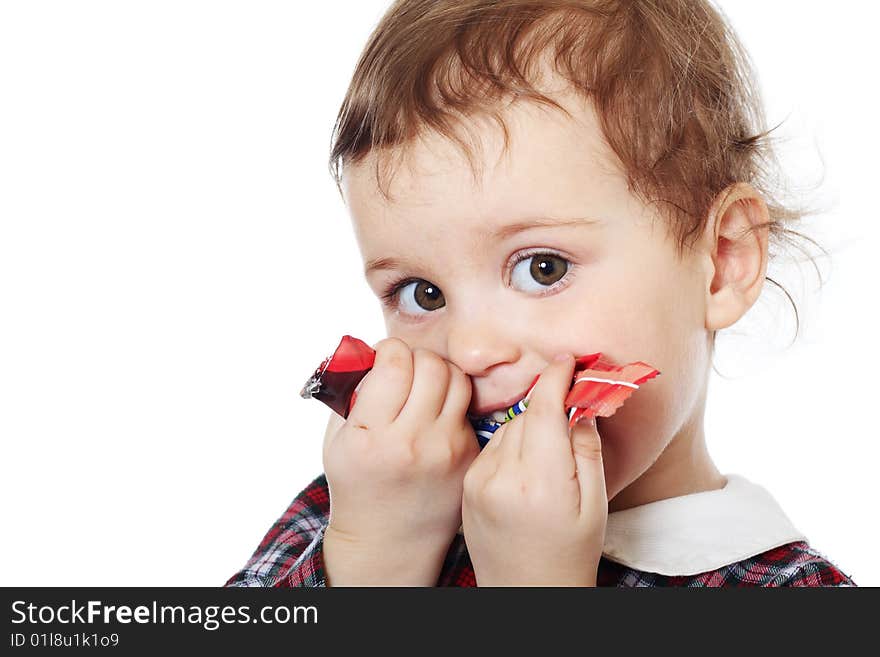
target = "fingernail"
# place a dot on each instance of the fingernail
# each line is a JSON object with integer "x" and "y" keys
{"x": 562, "y": 357}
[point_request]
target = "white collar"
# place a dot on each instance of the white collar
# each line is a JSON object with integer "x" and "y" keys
{"x": 696, "y": 533}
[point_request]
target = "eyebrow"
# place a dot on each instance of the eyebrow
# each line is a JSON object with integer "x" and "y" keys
{"x": 499, "y": 234}
{"x": 541, "y": 222}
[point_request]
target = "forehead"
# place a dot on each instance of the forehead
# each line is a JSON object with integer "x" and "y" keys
{"x": 552, "y": 164}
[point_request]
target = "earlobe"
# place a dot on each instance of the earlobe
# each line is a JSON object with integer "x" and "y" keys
{"x": 737, "y": 232}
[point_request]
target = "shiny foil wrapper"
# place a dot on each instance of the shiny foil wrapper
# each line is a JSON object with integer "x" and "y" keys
{"x": 336, "y": 378}
{"x": 599, "y": 386}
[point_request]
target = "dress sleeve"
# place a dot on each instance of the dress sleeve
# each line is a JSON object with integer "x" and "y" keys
{"x": 291, "y": 552}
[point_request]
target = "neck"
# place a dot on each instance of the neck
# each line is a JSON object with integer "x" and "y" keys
{"x": 684, "y": 467}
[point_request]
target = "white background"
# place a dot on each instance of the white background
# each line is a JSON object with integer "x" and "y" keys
{"x": 175, "y": 261}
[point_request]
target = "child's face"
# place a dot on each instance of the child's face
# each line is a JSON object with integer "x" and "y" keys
{"x": 498, "y": 294}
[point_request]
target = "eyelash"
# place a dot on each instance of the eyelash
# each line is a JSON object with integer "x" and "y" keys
{"x": 393, "y": 289}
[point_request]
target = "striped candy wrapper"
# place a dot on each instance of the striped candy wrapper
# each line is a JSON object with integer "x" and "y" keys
{"x": 599, "y": 388}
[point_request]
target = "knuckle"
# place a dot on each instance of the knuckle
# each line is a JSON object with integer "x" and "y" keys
{"x": 390, "y": 344}
{"x": 440, "y": 457}
{"x": 587, "y": 445}
{"x": 439, "y": 447}
{"x": 463, "y": 446}
{"x": 496, "y": 491}
{"x": 539, "y": 493}
{"x": 472, "y": 483}
{"x": 394, "y": 358}
{"x": 398, "y": 455}
{"x": 391, "y": 349}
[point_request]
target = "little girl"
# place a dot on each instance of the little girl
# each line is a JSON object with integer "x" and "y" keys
{"x": 529, "y": 181}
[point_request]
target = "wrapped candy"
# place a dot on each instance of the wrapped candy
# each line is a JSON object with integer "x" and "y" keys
{"x": 599, "y": 386}
{"x": 339, "y": 374}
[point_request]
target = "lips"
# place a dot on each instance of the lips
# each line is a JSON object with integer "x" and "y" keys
{"x": 498, "y": 411}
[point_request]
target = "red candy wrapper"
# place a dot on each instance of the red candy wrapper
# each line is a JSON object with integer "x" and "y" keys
{"x": 336, "y": 378}
{"x": 599, "y": 386}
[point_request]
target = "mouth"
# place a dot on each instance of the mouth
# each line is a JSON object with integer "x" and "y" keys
{"x": 503, "y": 411}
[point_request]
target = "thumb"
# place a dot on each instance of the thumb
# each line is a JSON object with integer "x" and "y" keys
{"x": 586, "y": 446}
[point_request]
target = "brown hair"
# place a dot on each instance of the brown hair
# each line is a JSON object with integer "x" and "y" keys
{"x": 671, "y": 84}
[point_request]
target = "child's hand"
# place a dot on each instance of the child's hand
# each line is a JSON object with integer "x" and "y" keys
{"x": 535, "y": 505}
{"x": 395, "y": 469}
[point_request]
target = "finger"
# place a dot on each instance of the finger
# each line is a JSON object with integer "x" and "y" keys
{"x": 458, "y": 396}
{"x": 430, "y": 382}
{"x": 586, "y": 447}
{"x": 547, "y": 436}
{"x": 497, "y": 452}
{"x": 384, "y": 390}
{"x": 485, "y": 465}
{"x": 511, "y": 451}
{"x": 492, "y": 449}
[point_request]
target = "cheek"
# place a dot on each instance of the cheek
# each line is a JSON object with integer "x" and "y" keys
{"x": 654, "y": 412}
{"x": 635, "y": 436}
{"x": 638, "y": 433}
{"x": 655, "y": 319}
{"x": 601, "y": 320}
{"x": 656, "y": 324}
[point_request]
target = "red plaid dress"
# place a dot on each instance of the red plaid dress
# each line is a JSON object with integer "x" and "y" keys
{"x": 290, "y": 555}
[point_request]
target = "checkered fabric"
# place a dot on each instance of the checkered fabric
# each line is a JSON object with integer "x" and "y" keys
{"x": 290, "y": 556}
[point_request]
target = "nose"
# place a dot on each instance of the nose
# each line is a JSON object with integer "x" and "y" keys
{"x": 477, "y": 344}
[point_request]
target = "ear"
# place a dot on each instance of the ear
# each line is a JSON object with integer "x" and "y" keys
{"x": 736, "y": 244}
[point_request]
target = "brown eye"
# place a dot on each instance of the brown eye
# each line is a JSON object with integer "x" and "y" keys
{"x": 545, "y": 269}
{"x": 426, "y": 296}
